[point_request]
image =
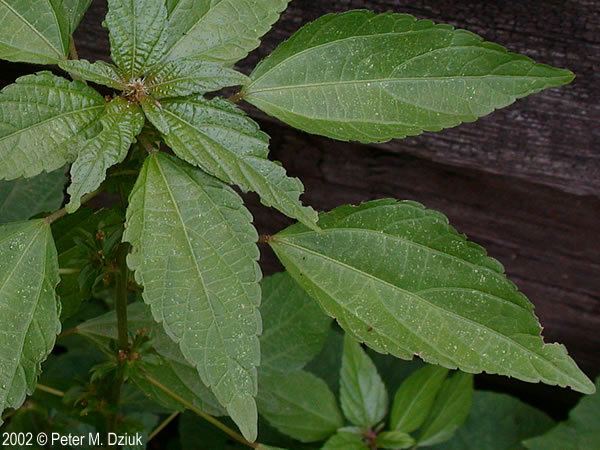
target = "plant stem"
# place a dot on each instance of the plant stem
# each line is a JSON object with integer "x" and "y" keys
{"x": 163, "y": 425}
{"x": 68, "y": 271}
{"x": 73, "y": 49}
{"x": 49, "y": 390}
{"x": 236, "y": 98}
{"x": 63, "y": 212}
{"x": 210, "y": 419}
{"x": 147, "y": 144}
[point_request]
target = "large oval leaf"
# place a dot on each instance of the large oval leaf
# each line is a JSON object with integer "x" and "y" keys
{"x": 360, "y": 76}
{"x": 34, "y": 31}
{"x": 398, "y": 277}
{"x": 219, "y": 30}
{"x": 28, "y": 307}
{"x": 195, "y": 253}
{"x": 44, "y": 121}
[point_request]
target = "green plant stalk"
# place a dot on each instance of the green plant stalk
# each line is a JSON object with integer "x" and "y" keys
{"x": 59, "y": 214}
{"x": 164, "y": 424}
{"x": 210, "y": 419}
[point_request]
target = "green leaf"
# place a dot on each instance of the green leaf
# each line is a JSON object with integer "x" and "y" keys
{"x": 33, "y": 31}
{"x": 579, "y": 432}
{"x": 121, "y": 123}
{"x": 28, "y": 307}
{"x": 219, "y": 30}
{"x": 223, "y": 141}
{"x": 294, "y": 326}
{"x": 44, "y": 121}
{"x": 98, "y": 72}
{"x": 74, "y": 11}
{"x": 498, "y": 422}
{"x": 137, "y": 31}
{"x": 362, "y": 76}
{"x": 449, "y": 411}
{"x": 394, "y": 440}
{"x": 24, "y": 198}
{"x": 397, "y": 276}
{"x": 414, "y": 399}
{"x": 299, "y": 404}
{"x": 345, "y": 441}
{"x": 186, "y": 77}
{"x": 363, "y": 395}
{"x": 195, "y": 253}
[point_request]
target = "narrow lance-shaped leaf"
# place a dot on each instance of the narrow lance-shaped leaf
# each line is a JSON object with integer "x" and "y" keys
{"x": 28, "y": 307}
{"x": 121, "y": 123}
{"x": 195, "y": 253}
{"x": 223, "y": 141}
{"x": 398, "y": 277}
{"x": 137, "y": 34}
{"x": 415, "y": 397}
{"x": 219, "y": 30}
{"x": 361, "y": 76}
{"x": 44, "y": 121}
{"x": 450, "y": 410}
{"x": 299, "y": 404}
{"x": 362, "y": 392}
{"x": 98, "y": 72}
{"x": 184, "y": 77}
{"x": 33, "y": 31}
{"x": 22, "y": 199}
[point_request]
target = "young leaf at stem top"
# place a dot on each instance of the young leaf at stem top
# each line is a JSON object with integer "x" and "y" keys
{"x": 362, "y": 76}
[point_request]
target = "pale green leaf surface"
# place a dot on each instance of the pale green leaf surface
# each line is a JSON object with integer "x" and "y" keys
{"x": 414, "y": 399}
{"x": 394, "y": 440}
{"x": 44, "y": 121}
{"x": 184, "y": 77}
{"x": 580, "y": 432}
{"x": 345, "y": 441}
{"x": 363, "y": 395}
{"x": 362, "y": 76}
{"x": 98, "y": 72}
{"x": 299, "y": 404}
{"x": 401, "y": 279}
{"x": 195, "y": 254}
{"x": 74, "y": 11}
{"x": 28, "y": 307}
{"x": 450, "y": 410}
{"x": 498, "y": 422}
{"x": 219, "y": 30}
{"x": 33, "y": 31}
{"x": 121, "y": 123}
{"x": 219, "y": 138}
{"x": 294, "y": 326}
{"x": 137, "y": 31}
{"x": 22, "y": 199}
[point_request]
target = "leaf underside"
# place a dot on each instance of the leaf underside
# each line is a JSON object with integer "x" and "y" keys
{"x": 195, "y": 254}
{"x": 399, "y": 278}
{"x": 362, "y": 76}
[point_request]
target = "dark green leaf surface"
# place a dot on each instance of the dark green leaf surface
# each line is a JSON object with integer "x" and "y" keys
{"x": 362, "y": 393}
{"x": 137, "y": 34}
{"x": 400, "y": 278}
{"x": 294, "y": 326}
{"x": 22, "y": 199}
{"x": 74, "y": 11}
{"x": 186, "y": 77}
{"x": 498, "y": 422}
{"x": 299, "y": 404}
{"x": 414, "y": 399}
{"x": 345, "y": 441}
{"x": 121, "y": 123}
{"x": 44, "y": 121}
{"x": 219, "y": 30}
{"x": 361, "y": 76}
{"x": 223, "y": 141}
{"x": 98, "y": 72}
{"x": 450, "y": 410}
{"x": 580, "y": 432}
{"x": 33, "y": 31}
{"x": 28, "y": 307}
{"x": 195, "y": 253}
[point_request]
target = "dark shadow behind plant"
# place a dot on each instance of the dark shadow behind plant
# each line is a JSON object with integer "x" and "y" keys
{"x": 165, "y": 287}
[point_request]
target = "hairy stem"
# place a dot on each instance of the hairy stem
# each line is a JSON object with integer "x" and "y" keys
{"x": 49, "y": 390}
{"x": 164, "y": 424}
{"x": 63, "y": 212}
{"x": 210, "y": 419}
{"x": 73, "y": 49}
